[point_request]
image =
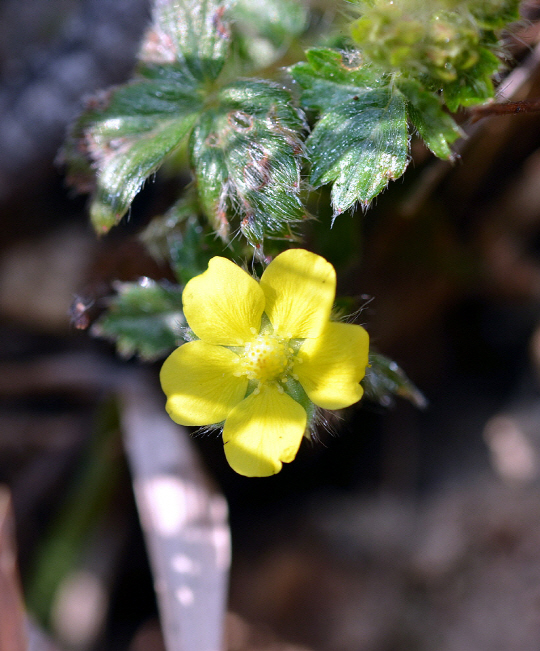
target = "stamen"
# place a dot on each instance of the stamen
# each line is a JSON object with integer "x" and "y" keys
{"x": 267, "y": 359}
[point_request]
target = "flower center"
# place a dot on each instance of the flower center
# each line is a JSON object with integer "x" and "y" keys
{"x": 266, "y": 358}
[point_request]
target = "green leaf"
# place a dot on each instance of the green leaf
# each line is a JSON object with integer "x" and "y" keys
{"x": 246, "y": 155}
{"x": 426, "y": 114}
{"x": 195, "y": 34}
{"x": 180, "y": 238}
{"x": 384, "y": 379}
{"x": 176, "y": 238}
{"x": 361, "y": 140}
{"x": 128, "y": 136}
{"x": 264, "y": 29}
{"x": 144, "y": 319}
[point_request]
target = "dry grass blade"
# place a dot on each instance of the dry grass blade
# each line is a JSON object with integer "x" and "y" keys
{"x": 184, "y": 521}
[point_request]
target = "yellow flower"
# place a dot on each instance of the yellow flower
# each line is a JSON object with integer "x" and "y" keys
{"x": 261, "y": 347}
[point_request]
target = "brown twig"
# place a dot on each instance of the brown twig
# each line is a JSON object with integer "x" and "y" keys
{"x": 506, "y": 108}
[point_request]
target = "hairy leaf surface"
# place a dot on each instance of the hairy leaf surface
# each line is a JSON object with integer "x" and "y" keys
{"x": 195, "y": 34}
{"x": 361, "y": 139}
{"x": 126, "y": 133}
{"x": 129, "y": 140}
{"x": 246, "y": 155}
{"x": 331, "y": 77}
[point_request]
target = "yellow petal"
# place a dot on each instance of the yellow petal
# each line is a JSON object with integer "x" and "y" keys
{"x": 299, "y": 287}
{"x": 223, "y": 304}
{"x": 198, "y": 381}
{"x": 333, "y": 364}
{"x": 263, "y": 431}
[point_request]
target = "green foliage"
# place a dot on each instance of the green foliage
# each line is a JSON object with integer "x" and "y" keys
{"x": 474, "y": 85}
{"x": 245, "y": 136}
{"x": 412, "y": 62}
{"x": 182, "y": 238}
{"x": 144, "y": 319}
{"x": 495, "y": 14}
{"x": 384, "y": 379}
{"x": 408, "y": 52}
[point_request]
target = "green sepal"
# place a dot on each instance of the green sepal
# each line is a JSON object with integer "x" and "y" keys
{"x": 143, "y": 319}
{"x": 425, "y": 112}
{"x": 195, "y": 34}
{"x": 296, "y": 391}
{"x": 245, "y": 151}
{"x": 385, "y": 379}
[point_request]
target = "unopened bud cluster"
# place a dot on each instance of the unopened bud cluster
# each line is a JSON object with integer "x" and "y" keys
{"x": 438, "y": 42}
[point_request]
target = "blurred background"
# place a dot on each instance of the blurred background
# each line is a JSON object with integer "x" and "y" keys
{"x": 401, "y": 528}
